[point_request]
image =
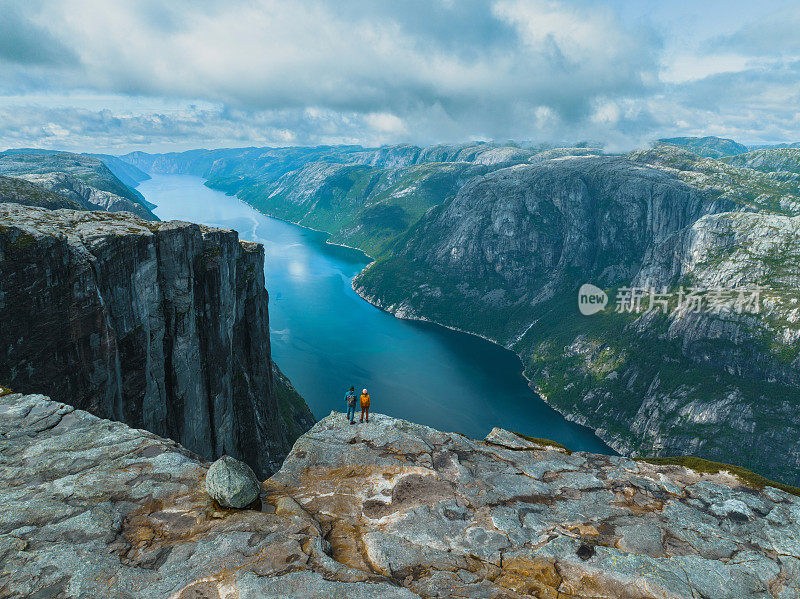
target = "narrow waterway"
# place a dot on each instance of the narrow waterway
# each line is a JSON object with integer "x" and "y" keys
{"x": 326, "y": 338}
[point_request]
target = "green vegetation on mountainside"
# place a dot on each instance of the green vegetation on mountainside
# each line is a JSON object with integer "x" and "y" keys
{"x": 608, "y": 362}
{"x": 359, "y": 205}
{"x": 721, "y": 180}
{"x": 29, "y": 194}
{"x": 710, "y": 147}
{"x": 86, "y": 168}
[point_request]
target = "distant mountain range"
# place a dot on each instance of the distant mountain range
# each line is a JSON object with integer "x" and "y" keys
{"x": 719, "y": 147}
{"x": 710, "y": 147}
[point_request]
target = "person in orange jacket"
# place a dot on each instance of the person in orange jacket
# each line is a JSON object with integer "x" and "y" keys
{"x": 365, "y": 398}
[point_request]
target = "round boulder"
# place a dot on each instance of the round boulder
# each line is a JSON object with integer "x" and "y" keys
{"x": 232, "y": 483}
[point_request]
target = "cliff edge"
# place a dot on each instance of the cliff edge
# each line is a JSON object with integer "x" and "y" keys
{"x": 93, "y": 508}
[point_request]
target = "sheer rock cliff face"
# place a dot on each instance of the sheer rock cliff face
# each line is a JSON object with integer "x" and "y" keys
{"x": 389, "y": 510}
{"x": 163, "y": 326}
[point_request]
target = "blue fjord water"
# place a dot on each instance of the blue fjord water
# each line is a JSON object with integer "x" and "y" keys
{"x": 326, "y": 338}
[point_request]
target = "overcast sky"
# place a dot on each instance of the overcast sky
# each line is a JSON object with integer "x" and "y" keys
{"x": 96, "y": 75}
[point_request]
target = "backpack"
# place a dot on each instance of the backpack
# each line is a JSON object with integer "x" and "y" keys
{"x": 351, "y": 399}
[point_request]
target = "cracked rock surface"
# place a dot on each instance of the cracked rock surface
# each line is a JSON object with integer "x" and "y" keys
{"x": 93, "y": 508}
{"x": 447, "y": 516}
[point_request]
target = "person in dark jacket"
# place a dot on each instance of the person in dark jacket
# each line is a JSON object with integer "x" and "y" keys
{"x": 350, "y": 399}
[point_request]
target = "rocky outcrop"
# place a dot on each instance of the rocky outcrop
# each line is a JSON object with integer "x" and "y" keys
{"x": 163, "y": 326}
{"x": 88, "y": 197}
{"x": 84, "y": 181}
{"x": 92, "y": 508}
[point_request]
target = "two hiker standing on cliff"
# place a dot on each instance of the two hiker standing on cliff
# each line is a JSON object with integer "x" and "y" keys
{"x": 350, "y": 398}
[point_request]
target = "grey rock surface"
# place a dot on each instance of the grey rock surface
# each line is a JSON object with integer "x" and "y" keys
{"x": 86, "y": 196}
{"x": 770, "y": 160}
{"x": 231, "y": 483}
{"x": 93, "y": 508}
{"x": 448, "y": 516}
{"x": 20, "y": 191}
{"x": 163, "y": 326}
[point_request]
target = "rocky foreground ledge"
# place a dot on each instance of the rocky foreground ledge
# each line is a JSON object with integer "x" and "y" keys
{"x": 93, "y": 508}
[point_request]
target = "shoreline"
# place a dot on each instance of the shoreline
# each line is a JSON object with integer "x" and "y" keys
{"x": 612, "y": 443}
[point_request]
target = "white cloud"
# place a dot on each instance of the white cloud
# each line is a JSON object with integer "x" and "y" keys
{"x": 691, "y": 67}
{"x": 246, "y": 72}
{"x": 384, "y": 122}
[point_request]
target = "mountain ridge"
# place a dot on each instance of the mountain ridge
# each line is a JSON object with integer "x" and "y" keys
{"x": 84, "y": 179}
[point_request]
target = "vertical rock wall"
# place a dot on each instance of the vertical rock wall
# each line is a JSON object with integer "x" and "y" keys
{"x": 163, "y": 326}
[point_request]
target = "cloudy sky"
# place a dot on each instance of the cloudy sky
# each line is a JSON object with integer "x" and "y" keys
{"x": 178, "y": 74}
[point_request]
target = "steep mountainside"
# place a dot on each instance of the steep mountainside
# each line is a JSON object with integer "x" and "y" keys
{"x": 506, "y": 256}
{"x": 27, "y": 193}
{"x": 710, "y": 147}
{"x": 363, "y": 197}
{"x": 87, "y": 197}
{"x": 127, "y": 173}
{"x": 391, "y": 510}
{"x": 81, "y": 177}
{"x": 160, "y": 325}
